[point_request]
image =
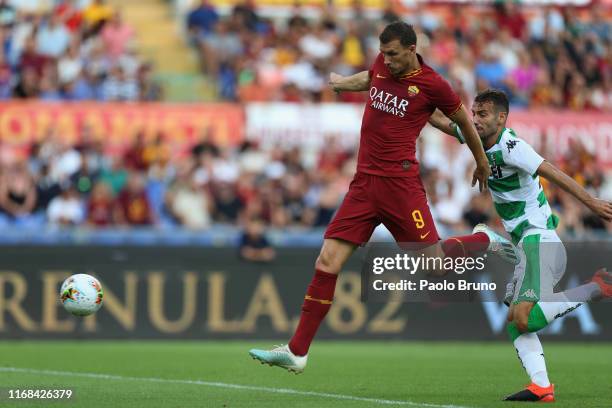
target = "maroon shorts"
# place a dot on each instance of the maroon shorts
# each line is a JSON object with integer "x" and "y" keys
{"x": 399, "y": 203}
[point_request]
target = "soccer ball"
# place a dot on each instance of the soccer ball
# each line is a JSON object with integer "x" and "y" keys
{"x": 81, "y": 294}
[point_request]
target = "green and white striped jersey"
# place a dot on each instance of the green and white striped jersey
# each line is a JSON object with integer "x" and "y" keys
{"x": 515, "y": 186}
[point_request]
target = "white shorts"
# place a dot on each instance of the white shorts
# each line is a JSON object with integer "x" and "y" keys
{"x": 543, "y": 262}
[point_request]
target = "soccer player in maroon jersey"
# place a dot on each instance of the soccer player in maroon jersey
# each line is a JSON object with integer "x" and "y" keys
{"x": 387, "y": 188}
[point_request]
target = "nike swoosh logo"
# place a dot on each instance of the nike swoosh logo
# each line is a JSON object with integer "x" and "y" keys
{"x": 425, "y": 235}
{"x": 380, "y": 76}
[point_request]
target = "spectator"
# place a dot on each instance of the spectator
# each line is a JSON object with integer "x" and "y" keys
{"x": 70, "y": 65}
{"x": 100, "y": 206}
{"x": 82, "y": 88}
{"x": 66, "y": 209}
{"x": 353, "y": 48}
{"x": 318, "y": 44}
{"x": 205, "y": 144}
{"x": 150, "y": 88}
{"x": 49, "y": 87}
{"x": 116, "y": 35}
{"x": 17, "y": 193}
{"x": 28, "y": 86}
{"x": 227, "y": 204}
{"x": 7, "y": 13}
{"x": 522, "y": 80}
{"x": 220, "y": 47}
{"x": 244, "y": 15}
{"x": 53, "y": 38}
{"x": 157, "y": 152}
{"x": 66, "y": 162}
{"x": 96, "y": 14}
{"x": 115, "y": 175}
{"x": 47, "y": 188}
{"x": 134, "y": 156}
{"x": 70, "y": 13}
{"x": 118, "y": 87}
{"x": 490, "y": 70}
{"x": 201, "y": 21}
{"x": 509, "y": 17}
{"x": 133, "y": 207}
{"x": 254, "y": 246}
{"x": 189, "y": 203}
{"x": 31, "y": 59}
{"x": 6, "y": 78}
{"x": 85, "y": 178}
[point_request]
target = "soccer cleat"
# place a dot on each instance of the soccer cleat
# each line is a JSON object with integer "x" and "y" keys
{"x": 282, "y": 357}
{"x": 499, "y": 245}
{"x": 534, "y": 393}
{"x": 603, "y": 279}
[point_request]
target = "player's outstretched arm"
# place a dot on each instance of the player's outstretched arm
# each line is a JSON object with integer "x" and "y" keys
{"x": 483, "y": 171}
{"x": 551, "y": 173}
{"x": 443, "y": 123}
{"x": 358, "y": 82}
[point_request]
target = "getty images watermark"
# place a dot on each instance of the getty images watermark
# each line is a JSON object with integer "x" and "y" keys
{"x": 412, "y": 264}
{"x": 402, "y": 273}
{"x": 420, "y": 276}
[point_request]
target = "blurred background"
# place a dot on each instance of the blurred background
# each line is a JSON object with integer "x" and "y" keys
{"x": 197, "y": 118}
{"x": 189, "y": 154}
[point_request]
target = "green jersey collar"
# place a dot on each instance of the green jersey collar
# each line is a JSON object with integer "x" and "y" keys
{"x": 498, "y": 138}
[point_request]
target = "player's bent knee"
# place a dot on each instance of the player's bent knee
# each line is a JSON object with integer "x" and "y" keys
{"x": 328, "y": 261}
{"x": 521, "y": 316}
{"x": 325, "y": 262}
{"x": 333, "y": 256}
{"x": 522, "y": 323}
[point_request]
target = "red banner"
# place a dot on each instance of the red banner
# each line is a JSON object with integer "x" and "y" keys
{"x": 552, "y": 132}
{"x": 117, "y": 124}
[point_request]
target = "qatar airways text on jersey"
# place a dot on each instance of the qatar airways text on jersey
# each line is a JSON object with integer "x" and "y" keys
{"x": 387, "y": 102}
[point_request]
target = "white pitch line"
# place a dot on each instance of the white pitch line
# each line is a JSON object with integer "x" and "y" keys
{"x": 223, "y": 385}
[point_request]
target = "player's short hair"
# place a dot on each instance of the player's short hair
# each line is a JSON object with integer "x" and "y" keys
{"x": 497, "y": 97}
{"x": 398, "y": 30}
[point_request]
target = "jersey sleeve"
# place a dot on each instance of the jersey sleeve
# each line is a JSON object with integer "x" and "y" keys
{"x": 444, "y": 97}
{"x": 520, "y": 154}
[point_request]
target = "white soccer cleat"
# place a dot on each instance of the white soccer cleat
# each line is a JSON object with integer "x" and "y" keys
{"x": 282, "y": 357}
{"x": 499, "y": 245}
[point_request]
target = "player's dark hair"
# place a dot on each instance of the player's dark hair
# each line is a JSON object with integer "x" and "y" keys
{"x": 398, "y": 30}
{"x": 495, "y": 96}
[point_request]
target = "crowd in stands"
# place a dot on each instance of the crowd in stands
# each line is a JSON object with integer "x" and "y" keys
{"x": 71, "y": 50}
{"x": 82, "y": 49}
{"x": 60, "y": 184}
{"x": 544, "y": 56}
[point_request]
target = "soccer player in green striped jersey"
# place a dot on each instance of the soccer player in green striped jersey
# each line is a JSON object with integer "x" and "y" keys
{"x": 521, "y": 203}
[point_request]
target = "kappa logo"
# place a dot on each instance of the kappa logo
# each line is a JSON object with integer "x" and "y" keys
{"x": 510, "y": 144}
{"x": 530, "y": 293}
{"x": 413, "y": 90}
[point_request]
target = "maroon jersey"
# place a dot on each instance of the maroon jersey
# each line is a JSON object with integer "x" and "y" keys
{"x": 397, "y": 110}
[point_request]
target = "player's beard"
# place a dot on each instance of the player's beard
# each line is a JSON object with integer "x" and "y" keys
{"x": 483, "y": 133}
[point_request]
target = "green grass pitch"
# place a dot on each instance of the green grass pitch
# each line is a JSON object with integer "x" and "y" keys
{"x": 359, "y": 374}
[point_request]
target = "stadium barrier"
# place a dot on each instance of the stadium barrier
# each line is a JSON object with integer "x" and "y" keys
{"x": 209, "y": 293}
